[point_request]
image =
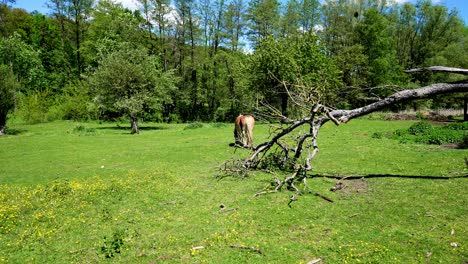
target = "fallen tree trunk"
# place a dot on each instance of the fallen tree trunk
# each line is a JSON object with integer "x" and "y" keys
{"x": 322, "y": 114}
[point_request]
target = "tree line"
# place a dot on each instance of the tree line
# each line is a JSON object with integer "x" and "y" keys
{"x": 210, "y": 60}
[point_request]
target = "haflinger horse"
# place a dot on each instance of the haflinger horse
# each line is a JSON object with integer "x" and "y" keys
{"x": 243, "y": 131}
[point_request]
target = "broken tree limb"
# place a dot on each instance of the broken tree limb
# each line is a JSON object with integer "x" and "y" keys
{"x": 324, "y": 197}
{"x": 319, "y": 114}
{"x": 401, "y": 96}
{"x": 439, "y": 69}
{"x": 256, "y": 250}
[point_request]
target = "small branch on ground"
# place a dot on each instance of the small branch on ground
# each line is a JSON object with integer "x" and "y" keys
{"x": 324, "y": 197}
{"x": 256, "y": 250}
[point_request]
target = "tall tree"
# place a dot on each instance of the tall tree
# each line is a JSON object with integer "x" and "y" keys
{"x": 263, "y": 17}
{"x": 24, "y": 61}
{"x": 375, "y": 35}
{"x": 340, "y": 36}
{"x": 234, "y": 24}
{"x": 9, "y": 85}
{"x": 146, "y": 8}
{"x": 309, "y": 14}
{"x": 291, "y": 63}
{"x": 290, "y": 19}
{"x": 162, "y": 15}
{"x": 73, "y": 16}
{"x": 187, "y": 33}
{"x": 424, "y": 30}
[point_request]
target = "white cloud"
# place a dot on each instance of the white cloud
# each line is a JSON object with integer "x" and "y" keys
{"x": 130, "y": 4}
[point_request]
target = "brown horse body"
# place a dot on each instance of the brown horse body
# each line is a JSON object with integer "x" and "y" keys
{"x": 243, "y": 130}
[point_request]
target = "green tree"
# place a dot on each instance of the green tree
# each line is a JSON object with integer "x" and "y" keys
{"x": 340, "y": 37}
{"x": 263, "y": 19}
{"x": 129, "y": 82}
{"x": 14, "y": 20}
{"x": 234, "y": 24}
{"x": 112, "y": 26}
{"x": 375, "y": 35}
{"x": 25, "y": 62}
{"x": 290, "y": 19}
{"x": 424, "y": 30}
{"x": 309, "y": 14}
{"x": 8, "y": 88}
{"x": 294, "y": 64}
{"x": 74, "y": 18}
{"x": 45, "y": 37}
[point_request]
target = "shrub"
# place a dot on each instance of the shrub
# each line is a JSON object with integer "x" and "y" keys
{"x": 439, "y": 136}
{"x": 464, "y": 143}
{"x": 33, "y": 107}
{"x": 458, "y": 126}
{"x": 419, "y": 128}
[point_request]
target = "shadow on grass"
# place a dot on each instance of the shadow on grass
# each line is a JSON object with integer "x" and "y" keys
{"x": 127, "y": 128}
{"x": 369, "y": 176}
{"x": 14, "y": 132}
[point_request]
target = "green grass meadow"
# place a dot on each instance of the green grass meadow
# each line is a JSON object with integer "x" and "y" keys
{"x": 91, "y": 193}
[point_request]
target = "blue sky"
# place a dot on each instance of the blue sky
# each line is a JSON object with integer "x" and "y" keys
{"x": 39, "y": 5}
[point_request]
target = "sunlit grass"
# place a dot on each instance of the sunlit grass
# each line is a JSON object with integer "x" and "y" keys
{"x": 86, "y": 195}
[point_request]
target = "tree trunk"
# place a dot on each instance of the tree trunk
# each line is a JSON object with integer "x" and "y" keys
{"x": 3, "y": 119}
{"x": 134, "y": 124}
{"x": 465, "y": 109}
{"x": 322, "y": 114}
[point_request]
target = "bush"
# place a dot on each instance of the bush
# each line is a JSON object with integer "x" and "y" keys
{"x": 458, "y": 126}
{"x": 419, "y": 128}
{"x": 377, "y": 135}
{"x": 423, "y": 132}
{"x": 73, "y": 104}
{"x": 439, "y": 136}
{"x": 33, "y": 107}
{"x": 464, "y": 143}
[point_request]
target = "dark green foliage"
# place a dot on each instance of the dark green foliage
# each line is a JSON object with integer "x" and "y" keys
{"x": 8, "y": 88}
{"x": 458, "y": 126}
{"x": 338, "y": 48}
{"x": 424, "y": 132}
{"x": 464, "y": 143}
{"x": 25, "y": 62}
{"x": 129, "y": 82}
{"x": 419, "y": 128}
{"x": 114, "y": 244}
{"x": 299, "y": 61}
{"x": 33, "y": 106}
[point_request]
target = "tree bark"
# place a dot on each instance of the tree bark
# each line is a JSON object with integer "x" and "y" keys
{"x": 344, "y": 116}
{"x": 3, "y": 119}
{"x": 321, "y": 114}
{"x": 439, "y": 69}
{"x": 134, "y": 124}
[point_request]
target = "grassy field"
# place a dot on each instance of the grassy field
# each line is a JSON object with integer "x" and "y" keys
{"x": 89, "y": 193}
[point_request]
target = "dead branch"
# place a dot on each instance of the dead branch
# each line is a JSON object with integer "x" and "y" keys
{"x": 324, "y": 197}
{"x": 318, "y": 116}
{"x": 256, "y": 250}
{"x": 439, "y": 69}
{"x": 401, "y": 96}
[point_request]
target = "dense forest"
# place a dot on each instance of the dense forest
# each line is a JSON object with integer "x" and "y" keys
{"x": 209, "y": 60}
